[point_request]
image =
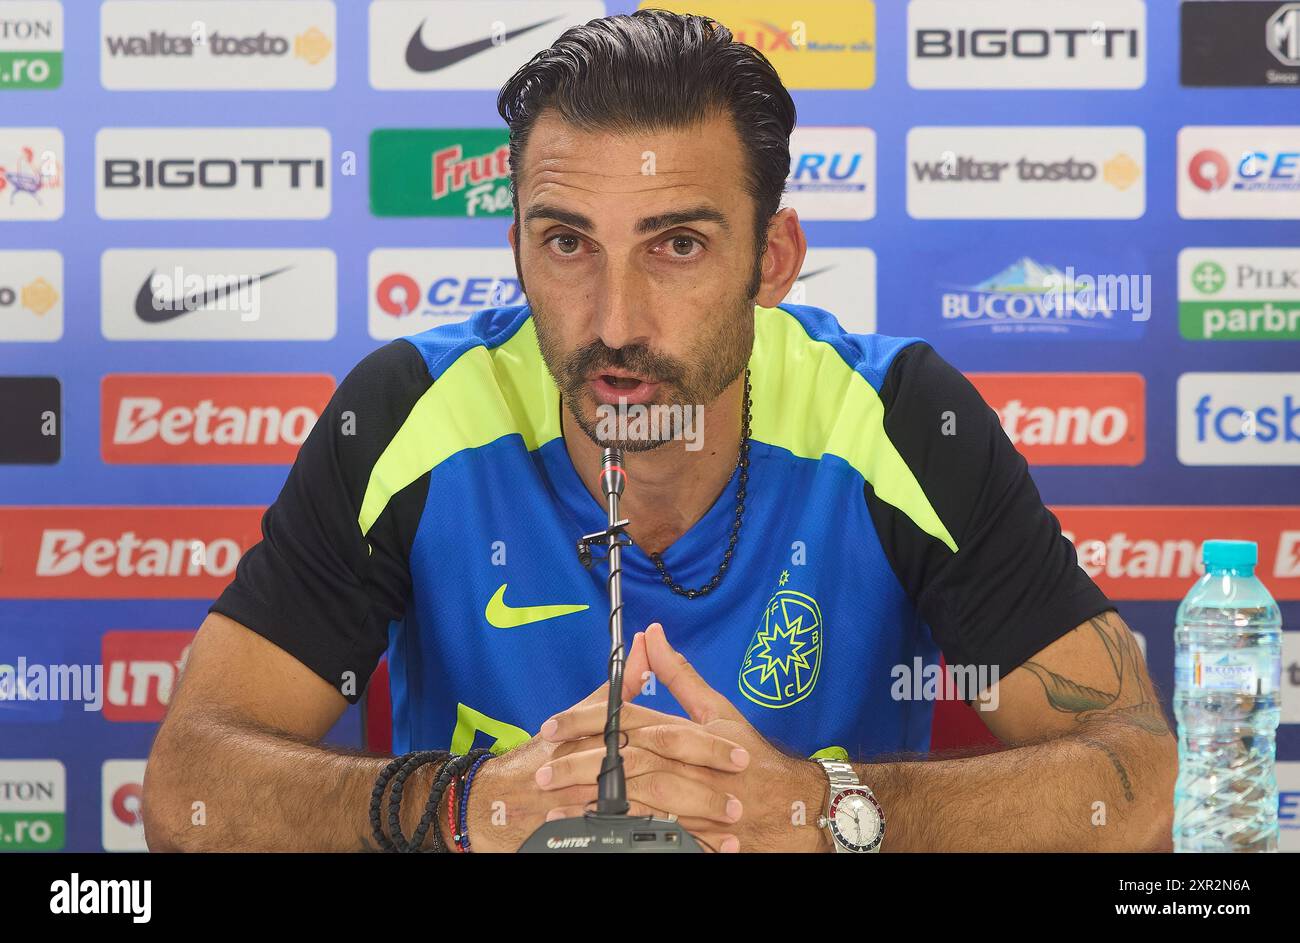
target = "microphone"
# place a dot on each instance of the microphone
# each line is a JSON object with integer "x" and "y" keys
{"x": 610, "y": 828}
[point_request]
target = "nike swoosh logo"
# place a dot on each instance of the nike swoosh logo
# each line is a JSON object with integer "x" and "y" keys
{"x": 501, "y": 616}
{"x": 153, "y": 309}
{"x": 420, "y": 58}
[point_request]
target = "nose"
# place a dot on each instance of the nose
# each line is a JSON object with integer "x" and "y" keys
{"x": 621, "y": 302}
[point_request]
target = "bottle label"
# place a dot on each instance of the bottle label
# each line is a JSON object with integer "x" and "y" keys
{"x": 1241, "y": 672}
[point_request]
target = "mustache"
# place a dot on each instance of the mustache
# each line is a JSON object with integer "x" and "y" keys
{"x": 636, "y": 359}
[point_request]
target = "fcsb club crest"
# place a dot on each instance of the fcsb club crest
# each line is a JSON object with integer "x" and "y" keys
{"x": 785, "y": 655}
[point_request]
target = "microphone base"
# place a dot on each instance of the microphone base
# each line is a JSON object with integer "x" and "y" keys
{"x": 610, "y": 834}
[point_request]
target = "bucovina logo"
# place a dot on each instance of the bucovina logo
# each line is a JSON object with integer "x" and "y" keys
{"x": 784, "y": 657}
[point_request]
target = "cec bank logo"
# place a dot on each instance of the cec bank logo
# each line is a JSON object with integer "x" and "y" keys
{"x": 784, "y": 656}
{"x": 811, "y": 44}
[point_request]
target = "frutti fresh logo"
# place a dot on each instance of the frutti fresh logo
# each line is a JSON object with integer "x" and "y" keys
{"x": 31, "y": 45}
{"x": 440, "y": 172}
{"x": 33, "y": 805}
{"x": 1239, "y": 294}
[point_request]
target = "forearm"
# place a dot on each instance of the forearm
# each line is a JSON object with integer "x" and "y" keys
{"x": 1107, "y": 786}
{"x": 218, "y": 785}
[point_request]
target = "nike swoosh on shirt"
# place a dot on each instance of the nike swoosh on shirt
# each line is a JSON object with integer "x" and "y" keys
{"x": 501, "y": 616}
{"x": 152, "y": 309}
{"x": 420, "y": 58}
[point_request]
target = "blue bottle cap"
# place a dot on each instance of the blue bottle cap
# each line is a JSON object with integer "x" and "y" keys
{"x": 1229, "y": 554}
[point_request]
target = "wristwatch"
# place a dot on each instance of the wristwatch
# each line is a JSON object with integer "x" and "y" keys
{"x": 853, "y": 814}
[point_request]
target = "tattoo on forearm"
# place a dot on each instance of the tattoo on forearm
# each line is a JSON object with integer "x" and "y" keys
{"x": 1115, "y": 762}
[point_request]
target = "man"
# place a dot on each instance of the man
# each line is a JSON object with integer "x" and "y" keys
{"x": 854, "y": 509}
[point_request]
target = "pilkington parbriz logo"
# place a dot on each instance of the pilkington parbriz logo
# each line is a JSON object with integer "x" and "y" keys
{"x": 1231, "y": 294}
{"x": 31, "y": 44}
{"x": 454, "y": 172}
{"x": 33, "y": 803}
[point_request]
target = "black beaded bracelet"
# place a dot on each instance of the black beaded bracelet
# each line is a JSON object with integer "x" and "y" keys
{"x": 432, "y": 805}
{"x": 376, "y": 800}
{"x": 412, "y": 762}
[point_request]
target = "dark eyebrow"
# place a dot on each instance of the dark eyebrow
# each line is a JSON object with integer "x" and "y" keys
{"x": 649, "y": 224}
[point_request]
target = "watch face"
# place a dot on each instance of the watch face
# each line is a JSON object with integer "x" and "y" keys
{"x": 856, "y": 820}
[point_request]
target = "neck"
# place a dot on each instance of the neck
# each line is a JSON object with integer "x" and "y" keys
{"x": 670, "y": 487}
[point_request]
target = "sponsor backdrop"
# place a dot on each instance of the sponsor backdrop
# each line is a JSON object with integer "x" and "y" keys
{"x": 209, "y": 211}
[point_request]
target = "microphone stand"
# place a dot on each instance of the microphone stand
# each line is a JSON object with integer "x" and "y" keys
{"x": 609, "y": 828}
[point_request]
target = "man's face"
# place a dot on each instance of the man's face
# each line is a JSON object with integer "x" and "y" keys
{"x": 638, "y": 256}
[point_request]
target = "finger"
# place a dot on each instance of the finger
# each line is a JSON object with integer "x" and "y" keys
{"x": 723, "y": 842}
{"x": 635, "y": 666}
{"x": 684, "y": 796}
{"x": 700, "y": 701}
{"x": 588, "y": 720}
{"x": 686, "y": 743}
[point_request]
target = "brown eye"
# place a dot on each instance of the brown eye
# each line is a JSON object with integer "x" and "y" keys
{"x": 568, "y": 244}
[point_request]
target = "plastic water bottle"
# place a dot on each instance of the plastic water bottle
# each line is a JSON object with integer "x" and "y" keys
{"x": 1227, "y": 679}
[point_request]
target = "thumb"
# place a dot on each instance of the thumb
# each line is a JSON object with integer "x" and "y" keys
{"x": 701, "y": 702}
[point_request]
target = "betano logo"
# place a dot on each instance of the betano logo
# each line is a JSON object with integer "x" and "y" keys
{"x": 133, "y": 552}
{"x": 1070, "y": 418}
{"x": 1155, "y": 552}
{"x": 208, "y": 418}
{"x": 817, "y": 44}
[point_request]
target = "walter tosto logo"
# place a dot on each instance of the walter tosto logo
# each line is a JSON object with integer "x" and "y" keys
{"x": 784, "y": 657}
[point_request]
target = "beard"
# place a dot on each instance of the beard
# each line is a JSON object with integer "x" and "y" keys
{"x": 689, "y": 383}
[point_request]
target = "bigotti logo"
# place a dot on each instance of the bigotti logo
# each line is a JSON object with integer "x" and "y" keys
{"x": 1070, "y": 418}
{"x": 1026, "y": 172}
{"x": 198, "y": 44}
{"x": 411, "y": 290}
{"x": 1239, "y": 294}
{"x": 208, "y": 419}
{"x": 1033, "y": 298}
{"x": 832, "y": 173}
{"x": 412, "y": 49}
{"x": 416, "y": 172}
{"x": 33, "y": 805}
{"x": 1239, "y": 418}
{"x": 1155, "y": 552}
{"x": 1026, "y": 44}
{"x": 1239, "y": 172}
{"x": 61, "y": 552}
{"x": 31, "y": 44}
{"x": 141, "y": 668}
{"x": 212, "y": 173}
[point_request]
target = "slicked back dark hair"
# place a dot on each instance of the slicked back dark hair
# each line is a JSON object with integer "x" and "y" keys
{"x": 657, "y": 70}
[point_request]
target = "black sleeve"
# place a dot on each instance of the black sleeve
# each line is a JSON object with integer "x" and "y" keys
{"x": 314, "y": 585}
{"x": 1014, "y": 585}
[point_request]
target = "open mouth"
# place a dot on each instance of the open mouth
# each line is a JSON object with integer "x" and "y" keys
{"x": 615, "y": 387}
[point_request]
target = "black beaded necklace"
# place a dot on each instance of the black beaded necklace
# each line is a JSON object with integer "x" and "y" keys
{"x": 742, "y": 462}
